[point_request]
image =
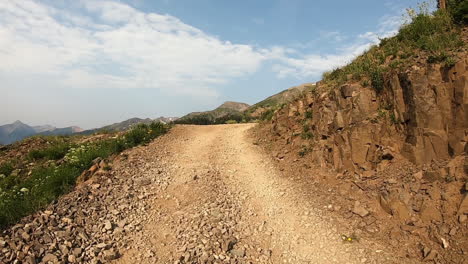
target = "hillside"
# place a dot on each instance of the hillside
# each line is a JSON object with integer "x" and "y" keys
{"x": 241, "y": 112}
{"x": 61, "y": 131}
{"x": 392, "y": 125}
{"x": 264, "y": 109}
{"x": 223, "y": 113}
{"x": 128, "y": 124}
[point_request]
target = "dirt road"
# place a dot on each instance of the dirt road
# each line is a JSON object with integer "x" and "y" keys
{"x": 223, "y": 201}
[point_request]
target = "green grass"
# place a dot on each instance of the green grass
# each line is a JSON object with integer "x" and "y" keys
{"x": 231, "y": 122}
{"x": 54, "y": 152}
{"x": 436, "y": 35}
{"x": 6, "y": 168}
{"x": 20, "y": 196}
{"x": 267, "y": 115}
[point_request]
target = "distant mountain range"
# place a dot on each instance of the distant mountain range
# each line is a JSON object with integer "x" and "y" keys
{"x": 16, "y": 131}
{"x": 226, "y": 112}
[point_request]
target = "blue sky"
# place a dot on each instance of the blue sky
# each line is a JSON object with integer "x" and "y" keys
{"x": 92, "y": 63}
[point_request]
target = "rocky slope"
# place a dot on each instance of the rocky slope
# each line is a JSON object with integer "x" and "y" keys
{"x": 399, "y": 153}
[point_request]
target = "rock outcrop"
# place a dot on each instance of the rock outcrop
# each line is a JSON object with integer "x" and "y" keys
{"x": 397, "y": 156}
{"x": 421, "y": 114}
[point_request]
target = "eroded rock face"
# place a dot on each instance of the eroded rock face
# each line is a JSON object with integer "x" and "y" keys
{"x": 421, "y": 115}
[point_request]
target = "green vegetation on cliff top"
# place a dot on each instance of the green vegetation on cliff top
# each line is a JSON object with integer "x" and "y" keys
{"x": 435, "y": 36}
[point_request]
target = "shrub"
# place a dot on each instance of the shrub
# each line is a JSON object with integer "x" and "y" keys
{"x": 6, "y": 168}
{"x": 231, "y": 121}
{"x": 458, "y": 9}
{"x": 54, "y": 152}
{"x": 308, "y": 114}
{"x": 307, "y": 135}
{"x": 267, "y": 115}
{"x": 377, "y": 80}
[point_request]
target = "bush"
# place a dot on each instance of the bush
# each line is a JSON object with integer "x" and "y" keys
{"x": 267, "y": 115}
{"x": 231, "y": 121}
{"x": 377, "y": 80}
{"x": 6, "y": 168}
{"x": 54, "y": 152}
{"x": 459, "y": 11}
{"x": 307, "y": 135}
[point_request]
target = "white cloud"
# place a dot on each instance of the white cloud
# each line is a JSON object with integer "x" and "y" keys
{"x": 114, "y": 45}
{"x": 106, "y": 44}
{"x": 312, "y": 65}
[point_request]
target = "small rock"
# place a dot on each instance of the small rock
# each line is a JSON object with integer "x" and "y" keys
{"x": 431, "y": 256}
{"x": 25, "y": 236}
{"x": 121, "y": 224}
{"x": 110, "y": 254}
{"x": 463, "y": 209}
{"x": 240, "y": 252}
{"x": 453, "y": 231}
{"x": 229, "y": 244}
{"x": 107, "y": 225}
{"x": 50, "y": 257}
{"x": 360, "y": 210}
{"x": 445, "y": 244}
{"x": 101, "y": 245}
{"x": 426, "y": 251}
{"x": 77, "y": 252}
{"x": 71, "y": 258}
{"x": 462, "y": 218}
{"x": 67, "y": 220}
{"x": 418, "y": 175}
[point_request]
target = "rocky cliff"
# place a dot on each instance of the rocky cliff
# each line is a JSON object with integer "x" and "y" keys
{"x": 421, "y": 114}
{"x": 395, "y": 157}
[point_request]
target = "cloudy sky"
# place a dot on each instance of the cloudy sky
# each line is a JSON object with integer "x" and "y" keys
{"x": 92, "y": 63}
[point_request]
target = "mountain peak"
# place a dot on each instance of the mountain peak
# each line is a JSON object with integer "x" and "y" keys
{"x": 17, "y": 122}
{"x": 234, "y": 106}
